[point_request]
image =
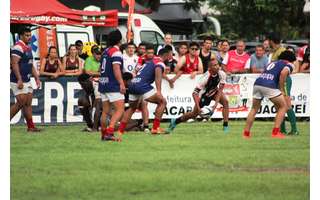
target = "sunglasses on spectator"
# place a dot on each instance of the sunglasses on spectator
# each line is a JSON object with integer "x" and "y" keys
{"x": 194, "y": 49}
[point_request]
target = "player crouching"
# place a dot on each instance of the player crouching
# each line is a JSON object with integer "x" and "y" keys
{"x": 270, "y": 84}
{"x": 210, "y": 87}
{"x": 140, "y": 87}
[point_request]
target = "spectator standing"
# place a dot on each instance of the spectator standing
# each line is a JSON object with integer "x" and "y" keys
{"x": 130, "y": 59}
{"x": 171, "y": 62}
{"x": 51, "y": 65}
{"x": 72, "y": 63}
{"x": 79, "y": 46}
{"x": 223, "y": 50}
{"x": 266, "y": 46}
{"x": 237, "y": 61}
{"x": 167, "y": 41}
{"x": 141, "y": 51}
{"x": 111, "y": 85}
{"x": 182, "y": 50}
{"x": 92, "y": 68}
{"x": 259, "y": 60}
{"x": 304, "y": 59}
{"x": 276, "y": 48}
{"x": 20, "y": 84}
{"x": 206, "y": 54}
{"x": 189, "y": 64}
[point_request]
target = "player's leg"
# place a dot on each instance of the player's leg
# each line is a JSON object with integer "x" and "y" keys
{"x": 118, "y": 112}
{"x": 27, "y": 111}
{"x": 290, "y": 113}
{"x": 84, "y": 107}
{"x": 145, "y": 116}
{"x": 256, "y": 103}
{"x": 280, "y": 103}
{"x": 127, "y": 115}
{"x": 225, "y": 112}
{"x": 188, "y": 115}
{"x": 97, "y": 114}
{"x": 105, "y": 110}
{"x": 161, "y": 105}
{"x": 15, "y": 108}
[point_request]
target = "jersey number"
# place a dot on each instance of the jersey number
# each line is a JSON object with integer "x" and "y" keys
{"x": 270, "y": 66}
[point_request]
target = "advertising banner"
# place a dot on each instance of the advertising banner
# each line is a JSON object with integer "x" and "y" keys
{"x": 56, "y": 100}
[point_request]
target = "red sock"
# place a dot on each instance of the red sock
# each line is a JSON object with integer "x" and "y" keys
{"x": 156, "y": 124}
{"x": 275, "y": 131}
{"x": 110, "y": 131}
{"x": 30, "y": 123}
{"x": 103, "y": 130}
{"x": 122, "y": 127}
{"x": 246, "y": 133}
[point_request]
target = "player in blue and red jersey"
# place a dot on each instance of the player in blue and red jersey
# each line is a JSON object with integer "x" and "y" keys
{"x": 111, "y": 85}
{"x": 21, "y": 70}
{"x": 140, "y": 87}
{"x": 270, "y": 84}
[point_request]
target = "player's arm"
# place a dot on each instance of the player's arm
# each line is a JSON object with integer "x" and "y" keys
{"x": 158, "y": 79}
{"x": 218, "y": 96}
{"x": 196, "y": 97}
{"x": 118, "y": 75}
{"x": 283, "y": 75}
{"x": 15, "y": 68}
{"x": 36, "y": 76}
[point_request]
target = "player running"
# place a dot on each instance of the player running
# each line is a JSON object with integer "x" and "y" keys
{"x": 210, "y": 87}
{"x": 111, "y": 86}
{"x": 270, "y": 84}
{"x": 140, "y": 87}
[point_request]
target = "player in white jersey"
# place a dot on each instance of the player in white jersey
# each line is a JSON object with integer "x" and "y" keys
{"x": 130, "y": 59}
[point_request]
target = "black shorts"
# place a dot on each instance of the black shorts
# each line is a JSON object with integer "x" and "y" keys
{"x": 205, "y": 100}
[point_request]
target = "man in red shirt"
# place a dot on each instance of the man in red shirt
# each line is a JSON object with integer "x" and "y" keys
{"x": 191, "y": 63}
{"x": 237, "y": 61}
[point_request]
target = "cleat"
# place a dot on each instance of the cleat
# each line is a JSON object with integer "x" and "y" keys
{"x": 246, "y": 134}
{"x": 278, "y": 135}
{"x": 226, "y": 129}
{"x": 171, "y": 126}
{"x": 110, "y": 138}
{"x": 87, "y": 129}
{"x": 34, "y": 129}
{"x": 146, "y": 131}
{"x": 157, "y": 131}
{"x": 293, "y": 133}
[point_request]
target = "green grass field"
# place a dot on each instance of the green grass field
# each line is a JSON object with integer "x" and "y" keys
{"x": 198, "y": 161}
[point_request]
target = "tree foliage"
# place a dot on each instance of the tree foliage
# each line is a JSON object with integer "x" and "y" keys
{"x": 252, "y": 18}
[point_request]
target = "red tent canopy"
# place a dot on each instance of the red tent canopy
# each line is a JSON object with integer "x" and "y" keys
{"x": 53, "y": 12}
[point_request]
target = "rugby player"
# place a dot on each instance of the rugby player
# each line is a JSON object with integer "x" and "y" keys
{"x": 270, "y": 84}
{"x": 21, "y": 70}
{"x": 210, "y": 87}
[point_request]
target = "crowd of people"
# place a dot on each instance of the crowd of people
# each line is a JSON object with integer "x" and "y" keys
{"x": 121, "y": 77}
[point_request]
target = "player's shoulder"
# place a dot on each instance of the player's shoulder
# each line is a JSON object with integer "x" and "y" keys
{"x": 114, "y": 51}
{"x": 19, "y": 46}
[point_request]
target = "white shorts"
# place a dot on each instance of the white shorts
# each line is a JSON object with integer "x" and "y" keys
{"x": 112, "y": 96}
{"x": 259, "y": 92}
{"x": 97, "y": 94}
{"x": 27, "y": 88}
{"x": 135, "y": 97}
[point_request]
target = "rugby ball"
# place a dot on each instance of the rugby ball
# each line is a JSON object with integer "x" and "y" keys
{"x": 206, "y": 112}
